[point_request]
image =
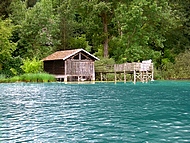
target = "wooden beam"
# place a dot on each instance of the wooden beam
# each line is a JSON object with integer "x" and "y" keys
{"x": 134, "y": 76}
{"x": 115, "y": 77}
{"x": 93, "y": 73}
{"x": 124, "y": 77}
{"x": 79, "y": 56}
{"x": 101, "y": 76}
{"x": 65, "y": 78}
{"x": 152, "y": 79}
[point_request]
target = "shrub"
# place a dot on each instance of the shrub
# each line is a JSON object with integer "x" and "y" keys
{"x": 182, "y": 65}
{"x": 32, "y": 66}
{"x": 105, "y": 64}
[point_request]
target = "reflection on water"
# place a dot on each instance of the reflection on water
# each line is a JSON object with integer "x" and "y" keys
{"x": 102, "y": 112}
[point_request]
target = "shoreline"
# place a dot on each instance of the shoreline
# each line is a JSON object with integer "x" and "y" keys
{"x": 92, "y": 82}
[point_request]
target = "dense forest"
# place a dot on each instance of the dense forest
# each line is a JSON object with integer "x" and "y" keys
{"x": 115, "y": 30}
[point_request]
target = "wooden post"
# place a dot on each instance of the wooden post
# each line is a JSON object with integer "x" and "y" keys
{"x": 93, "y": 74}
{"x": 152, "y": 78}
{"x": 115, "y": 77}
{"x": 101, "y": 77}
{"x": 124, "y": 77}
{"x": 135, "y": 77}
{"x": 79, "y": 56}
{"x": 78, "y": 78}
{"x": 65, "y": 77}
{"x": 141, "y": 76}
{"x": 146, "y": 76}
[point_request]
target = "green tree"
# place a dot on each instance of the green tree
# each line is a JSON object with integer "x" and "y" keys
{"x": 4, "y": 8}
{"x": 179, "y": 38}
{"x": 98, "y": 15}
{"x": 6, "y": 45}
{"x": 142, "y": 28}
{"x": 31, "y": 3}
{"x": 67, "y": 23}
{"x": 11, "y": 67}
{"x": 38, "y": 31}
{"x": 182, "y": 65}
{"x": 18, "y": 11}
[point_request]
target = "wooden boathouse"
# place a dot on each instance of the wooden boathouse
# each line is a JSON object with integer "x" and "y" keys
{"x": 139, "y": 71}
{"x": 71, "y": 65}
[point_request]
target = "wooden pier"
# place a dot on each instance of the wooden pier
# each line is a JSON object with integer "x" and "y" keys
{"x": 139, "y": 71}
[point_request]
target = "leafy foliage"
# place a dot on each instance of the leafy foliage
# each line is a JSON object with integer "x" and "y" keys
{"x": 6, "y": 45}
{"x": 4, "y": 8}
{"x": 142, "y": 27}
{"x": 31, "y": 66}
{"x": 11, "y": 67}
{"x": 39, "y": 28}
{"x": 104, "y": 64}
{"x": 182, "y": 65}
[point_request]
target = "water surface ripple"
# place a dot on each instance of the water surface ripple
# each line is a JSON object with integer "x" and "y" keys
{"x": 101, "y": 112}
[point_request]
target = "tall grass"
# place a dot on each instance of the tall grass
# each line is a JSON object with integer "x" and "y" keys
{"x": 44, "y": 77}
{"x": 29, "y": 77}
{"x": 37, "y": 77}
{"x": 2, "y": 78}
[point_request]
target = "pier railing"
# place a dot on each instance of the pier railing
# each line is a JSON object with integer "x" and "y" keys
{"x": 127, "y": 67}
{"x": 141, "y": 71}
{"x": 130, "y": 67}
{"x": 104, "y": 68}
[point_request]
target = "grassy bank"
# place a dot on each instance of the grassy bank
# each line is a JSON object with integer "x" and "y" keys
{"x": 29, "y": 77}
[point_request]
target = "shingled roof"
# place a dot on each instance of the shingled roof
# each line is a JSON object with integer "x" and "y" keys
{"x": 63, "y": 55}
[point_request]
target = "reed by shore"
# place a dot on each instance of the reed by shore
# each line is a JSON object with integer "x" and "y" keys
{"x": 29, "y": 77}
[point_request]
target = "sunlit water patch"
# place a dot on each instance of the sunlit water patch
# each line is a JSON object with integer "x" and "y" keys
{"x": 101, "y": 112}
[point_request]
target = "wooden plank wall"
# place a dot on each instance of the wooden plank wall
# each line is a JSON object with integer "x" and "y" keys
{"x": 80, "y": 68}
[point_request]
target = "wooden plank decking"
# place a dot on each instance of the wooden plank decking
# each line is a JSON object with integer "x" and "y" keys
{"x": 141, "y": 71}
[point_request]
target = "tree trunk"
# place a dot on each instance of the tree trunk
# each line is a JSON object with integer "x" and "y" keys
{"x": 63, "y": 34}
{"x": 105, "y": 31}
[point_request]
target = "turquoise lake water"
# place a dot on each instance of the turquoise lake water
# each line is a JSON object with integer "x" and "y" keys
{"x": 158, "y": 111}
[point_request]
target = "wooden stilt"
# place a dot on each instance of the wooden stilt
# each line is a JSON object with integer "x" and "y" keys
{"x": 146, "y": 76}
{"x": 93, "y": 75}
{"x": 141, "y": 76}
{"x": 78, "y": 78}
{"x": 115, "y": 77}
{"x": 124, "y": 77}
{"x": 101, "y": 76}
{"x": 65, "y": 79}
{"x": 152, "y": 76}
{"x": 134, "y": 77}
